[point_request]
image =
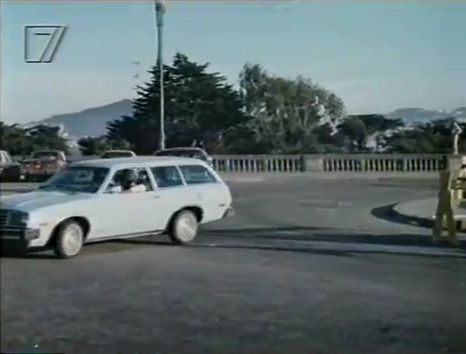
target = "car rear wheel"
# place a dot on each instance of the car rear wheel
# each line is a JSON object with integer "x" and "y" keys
{"x": 70, "y": 239}
{"x": 184, "y": 227}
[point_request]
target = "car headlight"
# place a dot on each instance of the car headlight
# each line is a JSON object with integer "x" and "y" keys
{"x": 18, "y": 217}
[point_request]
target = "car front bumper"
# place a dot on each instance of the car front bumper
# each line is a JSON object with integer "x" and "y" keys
{"x": 18, "y": 236}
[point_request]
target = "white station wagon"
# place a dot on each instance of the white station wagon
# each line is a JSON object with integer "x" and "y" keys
{"x": 116, "y": 198}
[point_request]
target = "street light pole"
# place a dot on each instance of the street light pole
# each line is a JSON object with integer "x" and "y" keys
{"x": 159, "y": 12}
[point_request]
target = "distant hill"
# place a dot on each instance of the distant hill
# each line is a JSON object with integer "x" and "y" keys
{"x": 90, "y": 122}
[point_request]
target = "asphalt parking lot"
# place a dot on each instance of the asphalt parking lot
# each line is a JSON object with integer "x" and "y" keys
{"x": 306, "y": 266}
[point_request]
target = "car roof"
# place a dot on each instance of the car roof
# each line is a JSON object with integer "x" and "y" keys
{"x": 137, "y": 161}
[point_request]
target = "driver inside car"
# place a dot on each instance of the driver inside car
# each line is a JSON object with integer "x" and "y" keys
{"x": 129, "y": 182}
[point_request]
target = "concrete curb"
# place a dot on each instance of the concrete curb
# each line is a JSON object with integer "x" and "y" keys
{"x": 422, "y": 213}
{"x": 420, "y": 209}
{"x": 424, "y": 208}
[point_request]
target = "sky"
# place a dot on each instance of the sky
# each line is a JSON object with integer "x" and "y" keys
{"x": 376, "y": 55}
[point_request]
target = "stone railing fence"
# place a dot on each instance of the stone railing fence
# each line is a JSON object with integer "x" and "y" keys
{"x": 331, "y": 163}
{"x": 384, "y": 163}
{"x": 259, "y": 163}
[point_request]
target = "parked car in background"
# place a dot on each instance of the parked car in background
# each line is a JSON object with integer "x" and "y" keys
{"x": 10, "y": 171}
{"x": 191, "y": 152}
{"x": 43, "y": 164}
{"x": 98, "y": 200}
{"x": 110, "y": 154}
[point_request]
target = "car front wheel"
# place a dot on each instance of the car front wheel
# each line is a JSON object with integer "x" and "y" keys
{"x": 70, "y": 239}
{"x": 184, "y": 227}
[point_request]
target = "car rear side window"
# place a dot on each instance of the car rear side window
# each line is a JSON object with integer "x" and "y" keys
{"x": 197, "y": 174}
{"x": 167, "y": 176}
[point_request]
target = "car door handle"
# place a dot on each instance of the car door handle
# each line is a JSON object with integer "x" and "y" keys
{"x": 157, "y": 197}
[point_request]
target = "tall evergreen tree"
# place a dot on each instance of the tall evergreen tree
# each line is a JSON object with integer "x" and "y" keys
{"x": 199, "y": 105}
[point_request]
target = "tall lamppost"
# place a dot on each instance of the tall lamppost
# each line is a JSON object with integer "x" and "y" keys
{"x": 159, "y": 6}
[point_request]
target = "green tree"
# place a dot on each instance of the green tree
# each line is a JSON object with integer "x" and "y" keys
{"x": 93, "y": 146}
{"x": 90, "y": 146}
{"x": 328, "y": 139}
{"x": 285, "y": 112}
{"x": 378, "y": 123}
{"x": 14, "y": 140}
{"x": 431, "y": 137}
{"x": 199, "y": 105}
{"x": 19, "y": 141}
{"x": 356, "y": 130}
{"x": 46, "y": 137}
{"x": 355, "y": 133}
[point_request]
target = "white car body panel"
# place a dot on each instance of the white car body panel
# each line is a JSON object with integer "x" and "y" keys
{"x": 121, "y": 214}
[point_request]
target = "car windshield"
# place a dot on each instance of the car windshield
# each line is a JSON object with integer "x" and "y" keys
{"x": 77, "y": 179}
{"x": 45, "y": 155}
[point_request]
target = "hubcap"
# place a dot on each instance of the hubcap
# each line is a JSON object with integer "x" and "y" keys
{"x": 72, "y": 240}
{"x": 186, "y": 227}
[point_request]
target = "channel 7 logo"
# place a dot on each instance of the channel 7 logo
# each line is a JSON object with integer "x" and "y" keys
{"x": 41, "y": 42}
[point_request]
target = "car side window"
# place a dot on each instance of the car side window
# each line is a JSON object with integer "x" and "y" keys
{"x": 141, "y": 178}
{"x": 167, "y": 176}
{"x": 197, "y": 174}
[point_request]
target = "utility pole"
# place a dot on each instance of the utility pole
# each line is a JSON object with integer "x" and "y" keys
{"x": 159, "y": 6}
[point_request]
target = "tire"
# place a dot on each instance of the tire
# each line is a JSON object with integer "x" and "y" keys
{"x": 70, "y": 239}
{"x": 183, "y": 228}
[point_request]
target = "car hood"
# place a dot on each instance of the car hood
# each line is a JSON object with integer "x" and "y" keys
{"x": 31, "y": 201}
